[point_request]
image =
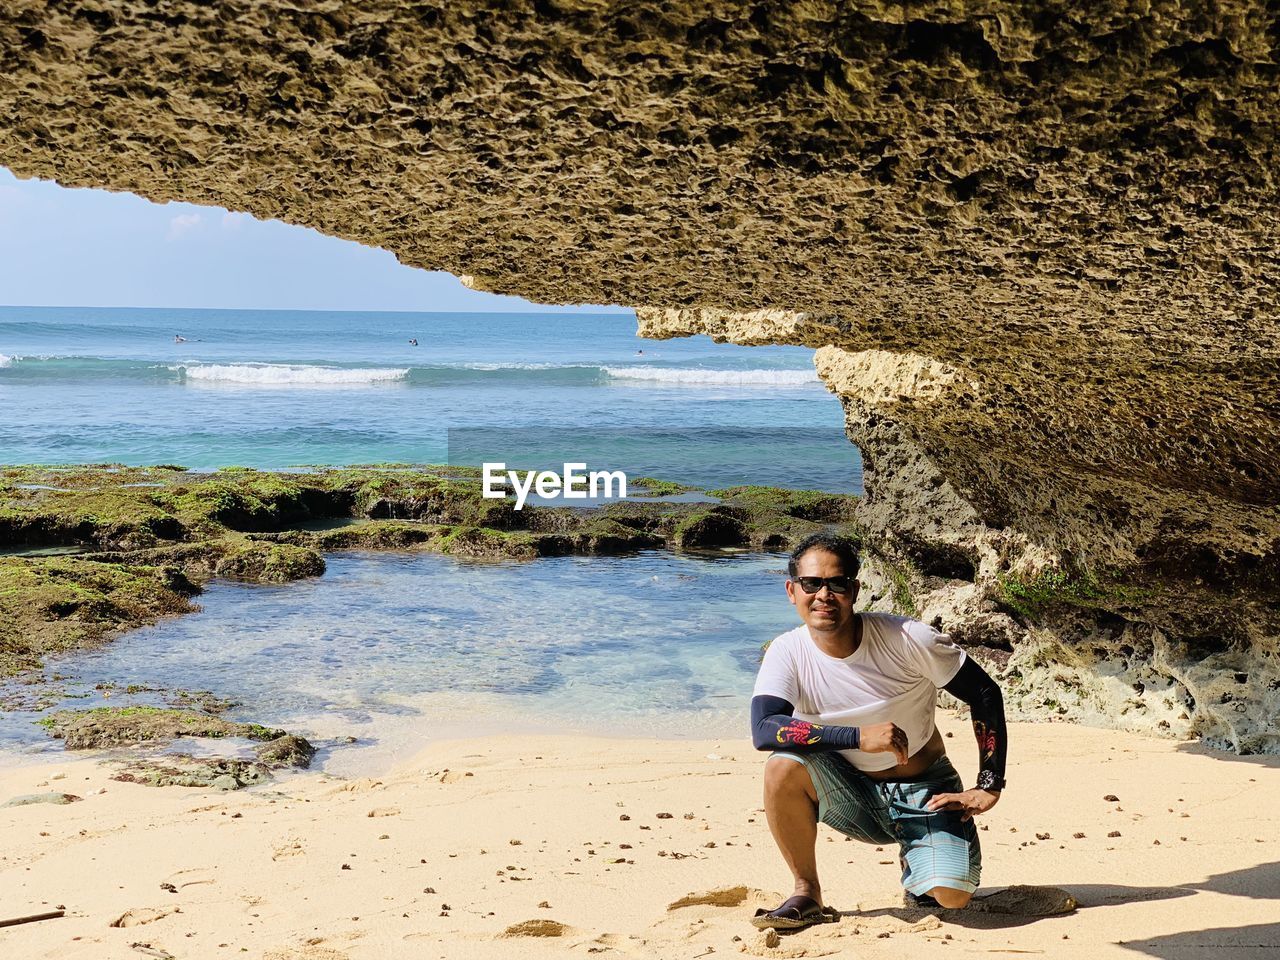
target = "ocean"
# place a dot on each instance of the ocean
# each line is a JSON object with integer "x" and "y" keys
{"x": 395, "y": 650}
{"x": 280, "y": 389}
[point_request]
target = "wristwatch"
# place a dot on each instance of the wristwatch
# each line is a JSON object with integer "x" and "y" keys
{"x": 988, "y": 780}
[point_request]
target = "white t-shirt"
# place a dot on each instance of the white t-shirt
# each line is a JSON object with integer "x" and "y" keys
{"x": 893, "y": 675}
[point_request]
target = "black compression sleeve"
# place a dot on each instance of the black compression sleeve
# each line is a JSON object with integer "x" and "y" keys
{"x": 774, "y": 728}
{"x": 975, "y": 687}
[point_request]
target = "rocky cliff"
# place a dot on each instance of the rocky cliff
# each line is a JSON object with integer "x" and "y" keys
{"x": 1035, "y": 243}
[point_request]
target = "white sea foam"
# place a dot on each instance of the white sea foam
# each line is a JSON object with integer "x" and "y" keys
{"x": 288, "y": 374}
{"x": 4, "y": 360}
{"x": 719, "y": 378}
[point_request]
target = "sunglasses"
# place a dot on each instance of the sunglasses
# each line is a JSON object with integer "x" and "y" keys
{"x": 815, "y": 584}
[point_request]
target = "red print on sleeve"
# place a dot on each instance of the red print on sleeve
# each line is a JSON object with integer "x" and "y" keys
{"x": 986, "y": 739}
{"x": 800, "y": 732}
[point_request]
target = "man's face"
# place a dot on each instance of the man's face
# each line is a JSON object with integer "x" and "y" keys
{"x": 824, "y": 611}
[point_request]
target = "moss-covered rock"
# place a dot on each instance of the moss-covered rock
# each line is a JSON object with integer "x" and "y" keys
{"x": 812, "y": 505}
{"x": 610, "y": 536}
{"x": 653, "y": 487}
{"x": 488, "y": 544}
{"x": 286, "y": 751}
{"x": 116, "y": 726}
{"x": 184, "y": 770}
{"x": 258, "y": 562}
{"x": 253, "y": 501}
{"x": 29, "y": 799}
{"x": 1031, "y": 598}
{"x": 378, "y": 535}
{"x": 103, "y": 727}
{"x": 712, "y": 528}
{"x": 58, "y": 603}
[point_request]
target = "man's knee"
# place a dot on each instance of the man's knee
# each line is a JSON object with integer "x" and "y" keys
{"x": 783, "y": 776}
{"x": 950, "y": 897}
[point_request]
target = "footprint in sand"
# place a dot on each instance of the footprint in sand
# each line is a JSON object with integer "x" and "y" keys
{"x": 137, "y": 916}
{"x": 191, "y": 877}
{"x": 536, "y": 928}
{"x": 290, "y": 847}
{"x": 628, "y": 945}
{"x": 722, "y": 897}
{"x": 360, "y": 785}
{"x": 767, "y": 943}
{"x": 305, "y": 953}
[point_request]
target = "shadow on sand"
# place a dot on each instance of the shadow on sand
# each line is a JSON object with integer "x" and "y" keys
{"x": 1260, "y": 882}
{"x": 1036, "y": 903}
{"x": 1195, "y": 748}
{"x": 1258, "y": 942}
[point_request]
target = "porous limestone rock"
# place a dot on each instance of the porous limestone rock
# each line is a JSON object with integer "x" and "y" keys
{"x": 1036, "y": 242}
{"x": 27, "y": 799}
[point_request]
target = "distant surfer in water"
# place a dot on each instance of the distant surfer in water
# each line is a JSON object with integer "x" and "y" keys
{"x": 413, "y": 341}
{"x": 179, "y": 338}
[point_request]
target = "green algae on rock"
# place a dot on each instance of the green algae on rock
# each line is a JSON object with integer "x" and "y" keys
{"x": 104, "y": 727}
{"x": 289, "y": 750}
{"x": 258, "y": 562}
{"x": 61, "y": 603}
{"x": 813, "y": 505}
{"x": 28, "y": 799}
{"x": 184, "y": 770}
{"x": 118, "y": 726}
{"x": 653, "y": 487}
{"x": 1033, "y": 597}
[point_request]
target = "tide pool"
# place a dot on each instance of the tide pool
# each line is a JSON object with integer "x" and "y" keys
{"x": 397, "y": 649}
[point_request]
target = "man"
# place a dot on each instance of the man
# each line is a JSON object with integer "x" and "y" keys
{"x": 846, "y": 704}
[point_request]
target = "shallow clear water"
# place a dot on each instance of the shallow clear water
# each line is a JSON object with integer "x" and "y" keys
{"x": 275, "y": 388}
{"x": 397, "y": 649}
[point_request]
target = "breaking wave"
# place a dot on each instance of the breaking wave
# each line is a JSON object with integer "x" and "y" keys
{"x": 290, "y": 374}
{"x": 719, "y": 378}
{"x": 67, "y": 369}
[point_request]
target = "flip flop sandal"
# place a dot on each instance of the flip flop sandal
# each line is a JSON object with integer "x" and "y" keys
{"x": 795, "y": 913}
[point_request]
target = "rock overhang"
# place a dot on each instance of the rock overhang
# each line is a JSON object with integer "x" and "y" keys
{"x": 1065, "y": 208}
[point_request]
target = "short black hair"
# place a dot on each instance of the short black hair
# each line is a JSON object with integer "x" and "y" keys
{"x": 845, "y": 549}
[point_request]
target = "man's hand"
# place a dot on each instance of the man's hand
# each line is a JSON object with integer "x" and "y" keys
{"x": 884, "y": 738}
{"x": 971, "y": 802}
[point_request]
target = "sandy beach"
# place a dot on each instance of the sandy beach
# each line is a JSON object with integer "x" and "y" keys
{"x": 523, "y": 846}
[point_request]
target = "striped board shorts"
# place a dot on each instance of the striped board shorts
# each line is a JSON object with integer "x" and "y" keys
{"x": 938, "y": 848}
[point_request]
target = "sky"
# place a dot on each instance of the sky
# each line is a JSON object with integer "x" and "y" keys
{"x": 81, "y": 248}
